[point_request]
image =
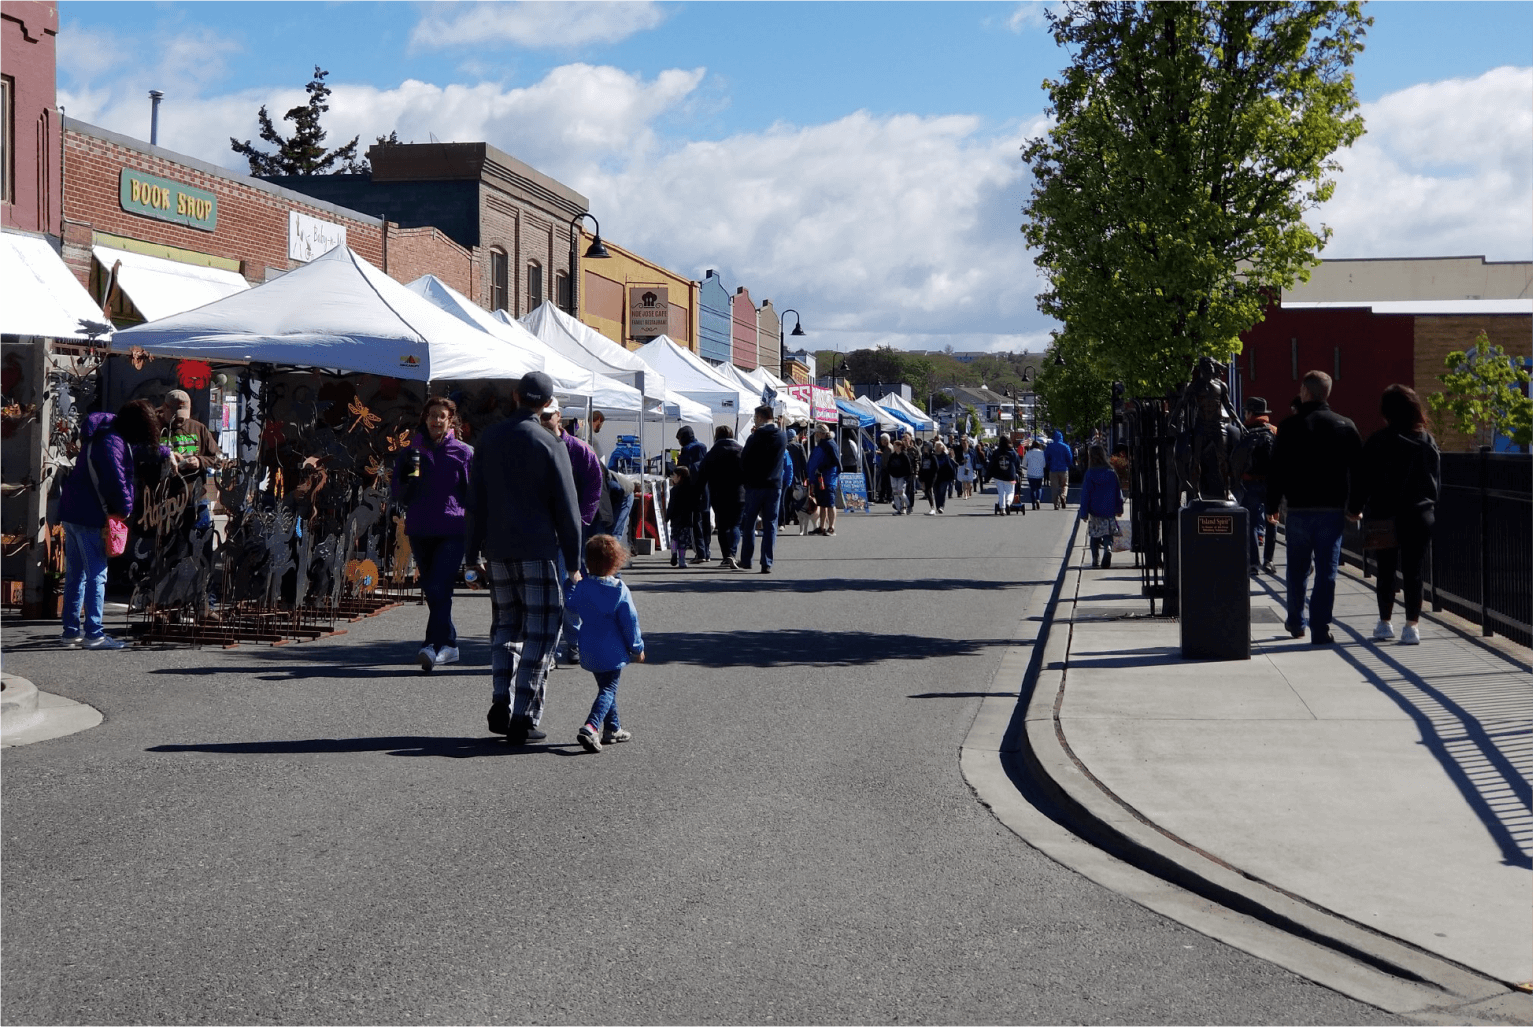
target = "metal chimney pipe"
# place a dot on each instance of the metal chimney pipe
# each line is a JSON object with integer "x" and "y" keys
{"x": 155, "y": 96}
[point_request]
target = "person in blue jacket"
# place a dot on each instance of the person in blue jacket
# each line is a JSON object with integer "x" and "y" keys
{"x": 610, "y": 637}
{"x": 821, "y": 471}
{"x": 102, "y": 483}
{"x": 1058, "y": 461}
{"x": 1101, "y": 503}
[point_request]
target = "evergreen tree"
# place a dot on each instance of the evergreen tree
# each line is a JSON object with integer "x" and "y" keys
{"x": 303, "y": 153}
{"x": 1189, "y": 141}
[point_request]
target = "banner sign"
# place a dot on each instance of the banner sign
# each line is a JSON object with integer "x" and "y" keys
{"x": 164, "y": 200}
{"x": 308, "y": 237}
{"x": 821, "y": 400}
{"x": 648, "y": 312}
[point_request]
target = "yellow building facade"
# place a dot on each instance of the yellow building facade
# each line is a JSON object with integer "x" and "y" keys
{"x": 632, "y": 300}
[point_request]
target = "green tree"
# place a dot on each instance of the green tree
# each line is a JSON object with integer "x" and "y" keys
{"x": 1074, "y": 394}
{"x": 1486, "y": 395}
{"x": 303, "y": 153}
{"x": 1189, "y": 141}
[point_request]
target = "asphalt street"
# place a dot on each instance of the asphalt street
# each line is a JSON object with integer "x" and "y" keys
{"x": 320, "y": 833}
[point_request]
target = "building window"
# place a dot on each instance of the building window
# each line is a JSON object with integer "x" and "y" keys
{"x": 563, "y": 290}
{"x": 535, "y": 285}
{"x": 7, "y": 139}
{"x": 498, "y": 279}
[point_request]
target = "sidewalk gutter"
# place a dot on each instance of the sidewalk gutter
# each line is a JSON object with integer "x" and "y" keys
{"x": 1017, "y": 761}
{"x": 28, "y": 715}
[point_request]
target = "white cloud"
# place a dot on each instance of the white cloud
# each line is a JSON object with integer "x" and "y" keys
{"x": 1030, "y": 16}
{"x": 1444, "y": 169}
{"x": 539, "y": 25}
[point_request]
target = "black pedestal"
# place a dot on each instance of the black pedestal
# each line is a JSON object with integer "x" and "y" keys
{"x": 1214, "y": 616}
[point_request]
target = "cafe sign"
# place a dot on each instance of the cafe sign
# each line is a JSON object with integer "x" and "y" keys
{"x": 165, "y": 200}
{"x": 649, "y": 312}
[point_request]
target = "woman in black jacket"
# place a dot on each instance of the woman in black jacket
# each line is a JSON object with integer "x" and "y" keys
{"x": 1400, "y": 470}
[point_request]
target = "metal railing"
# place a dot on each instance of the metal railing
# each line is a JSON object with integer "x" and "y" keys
{"x": 1154, "y": 501}
{"x": 1479, "y": 565}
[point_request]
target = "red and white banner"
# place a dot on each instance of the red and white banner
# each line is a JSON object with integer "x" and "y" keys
{"x": 823, "y": 405}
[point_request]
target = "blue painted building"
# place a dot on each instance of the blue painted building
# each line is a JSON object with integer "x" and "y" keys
{"x": 714, "y": 320}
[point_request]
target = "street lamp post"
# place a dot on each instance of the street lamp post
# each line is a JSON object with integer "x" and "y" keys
{"x": 798, "y": 331}
{"x": 596, "y": 250}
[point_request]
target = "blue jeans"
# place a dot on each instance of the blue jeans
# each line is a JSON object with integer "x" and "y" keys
{"x": 728, "y": 531}
{"x": 1035, "y": 486}
{"x": 1251, "y": 496}
{"x": 438, "y": 558}
{"x": 85, "y": 578}
{"x": 1311, "y": 536}
{"x": 766, "y": 503}
{"x": 605, "y": 709}
{"x": 621, "y": 518}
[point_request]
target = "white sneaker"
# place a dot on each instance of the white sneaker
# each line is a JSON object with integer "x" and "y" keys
{"x": 72, "y": 642}
{"x": 103, "y": 642}
{"x": 448, "y": 655}
{"x": 426, "y": 657}
{"x": 1410, "y": 635}
{"x": 929, "y": 513}
{"x": 1384, "y": 632}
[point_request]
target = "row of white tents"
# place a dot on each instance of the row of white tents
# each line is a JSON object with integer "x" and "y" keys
{"x": 339, "y": 312}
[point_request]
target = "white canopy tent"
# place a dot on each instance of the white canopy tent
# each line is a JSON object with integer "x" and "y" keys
{"x": 894, "y": 403}
{"x": 159, "y": 287}
{"x": 887, "y": 421}
{"x": 338, "y": 311}
{"x": 42, "y": 297}
{"x": 729, "y": 403}
{"x": 796, "y": 409}
{"x": 589, "y": 348}
{"x": 570, "y": 379}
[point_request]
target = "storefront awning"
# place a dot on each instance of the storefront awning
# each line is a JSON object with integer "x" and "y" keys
{"x": 160, "y": 288}
{"x": 42, "y": 296}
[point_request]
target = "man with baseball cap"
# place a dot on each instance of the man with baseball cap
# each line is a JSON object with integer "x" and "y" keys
{"x": 194, "y": 450}
{"x": 522, "y": 518}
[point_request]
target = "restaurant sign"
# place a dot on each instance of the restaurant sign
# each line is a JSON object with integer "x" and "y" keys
{"x": 164, "y": 200}
{"x": 649, "y": 312}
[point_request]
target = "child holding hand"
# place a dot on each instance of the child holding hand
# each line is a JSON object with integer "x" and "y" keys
{"x": 609, "y": 636}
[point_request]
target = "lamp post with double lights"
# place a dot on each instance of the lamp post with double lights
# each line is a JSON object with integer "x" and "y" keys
{"x": 596, "y": 250}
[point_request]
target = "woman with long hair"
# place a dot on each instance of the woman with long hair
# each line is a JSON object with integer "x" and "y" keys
{"x": 99, "y": 490}
{"x": 1401, "y": 472}
{"x": 431, "y": 481}
{"x": 1102, "y": 502}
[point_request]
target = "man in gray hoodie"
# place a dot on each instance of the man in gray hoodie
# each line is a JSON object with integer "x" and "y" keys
{"x": 522, "y": 515}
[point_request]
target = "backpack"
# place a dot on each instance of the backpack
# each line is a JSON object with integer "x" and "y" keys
{"x": 998, "y": 465}
{"x": 1251, "y": 455}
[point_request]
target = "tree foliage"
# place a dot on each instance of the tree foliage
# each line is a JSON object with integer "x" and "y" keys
{"x": 1189, "y": 141}
{"x": 933, "y": 373}
{"x": 1486, "y": 395}
{"x": 1074, "y": 394}
{"x": 303, "y": 153}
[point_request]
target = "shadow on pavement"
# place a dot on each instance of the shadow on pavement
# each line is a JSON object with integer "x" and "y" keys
{"x": 754, "y": 581}
{"x": 390, "y": 745}
{"x": 802, "y": 648}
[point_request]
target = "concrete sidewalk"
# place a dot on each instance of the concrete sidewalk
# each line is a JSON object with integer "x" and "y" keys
{"x": 1384, "y": 788}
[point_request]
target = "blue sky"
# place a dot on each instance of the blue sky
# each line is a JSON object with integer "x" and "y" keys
{"x": 859, "y": 159}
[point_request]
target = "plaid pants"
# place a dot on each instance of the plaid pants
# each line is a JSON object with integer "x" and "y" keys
{"x": 527, "y": 604}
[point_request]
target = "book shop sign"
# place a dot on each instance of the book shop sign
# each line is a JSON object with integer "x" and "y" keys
{"x": 648, "y": 312}
{"x": 164, "y": 200}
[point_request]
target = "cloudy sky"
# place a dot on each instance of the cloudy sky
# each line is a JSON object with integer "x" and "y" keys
{"x": 856, "y": 161}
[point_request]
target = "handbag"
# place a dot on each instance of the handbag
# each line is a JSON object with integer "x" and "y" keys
{"x": 1379, "y": 534}
{"x": 1120, "y": 542}
{"x": 114, "y": 534}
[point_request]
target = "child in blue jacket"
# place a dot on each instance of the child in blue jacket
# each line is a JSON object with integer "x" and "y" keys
{"x": 1102, "y": 503}
{"x": 609, "y": 636}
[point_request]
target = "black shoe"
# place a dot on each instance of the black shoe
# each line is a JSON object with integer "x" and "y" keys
{"x": 1326, "y": 639}
{"x": 1297, "y": 633}
{"x": 496, "y": 717}
{"x": 767, "y": 570}
{"x": 1106, "y": 561}
{"x": 1269, "y": 567}
{"x": 674, "y": 558}
{"x": 521, "y": 731}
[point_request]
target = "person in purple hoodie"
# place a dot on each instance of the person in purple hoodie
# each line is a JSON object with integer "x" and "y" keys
{"x": 431, "y": 480}
{"x": 102, "y": 483}
{"x": 587, "y": 476}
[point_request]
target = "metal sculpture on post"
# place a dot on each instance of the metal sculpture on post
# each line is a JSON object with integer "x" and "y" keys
{"x": 1208, "y": 429}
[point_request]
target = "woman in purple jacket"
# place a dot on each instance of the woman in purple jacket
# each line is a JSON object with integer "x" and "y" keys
{"x": 107, "y": 442}
{"x": 431, "y": 481}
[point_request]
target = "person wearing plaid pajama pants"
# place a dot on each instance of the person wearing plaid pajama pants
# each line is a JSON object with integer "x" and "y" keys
{"x": 523, "y": 517}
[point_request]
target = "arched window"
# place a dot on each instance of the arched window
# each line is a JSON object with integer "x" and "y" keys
{"x": 499, "y": 282}
{"x": 563, "y": 290}
{"x": 535, "y": 285}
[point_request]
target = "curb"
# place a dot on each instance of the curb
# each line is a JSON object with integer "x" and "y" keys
{"x": 31, "y": 715}
{"x": 1016, "y": 759}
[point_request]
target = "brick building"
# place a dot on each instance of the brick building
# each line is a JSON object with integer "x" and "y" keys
{"x": 514, "y": 221}
{"x": 743, "y": 330}
{"x": 29, "y": 167}
{"x": 768, "y": 329}
{"x": 178, "y": 219}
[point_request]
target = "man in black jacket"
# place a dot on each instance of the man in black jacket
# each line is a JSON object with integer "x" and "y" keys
{"x": 762, "y": 477}
{"x": 720, "y": 472}
{"x": 522, "y": 474}
{"x": 1314, "y": 467}
{"x": 690, "y": 454}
